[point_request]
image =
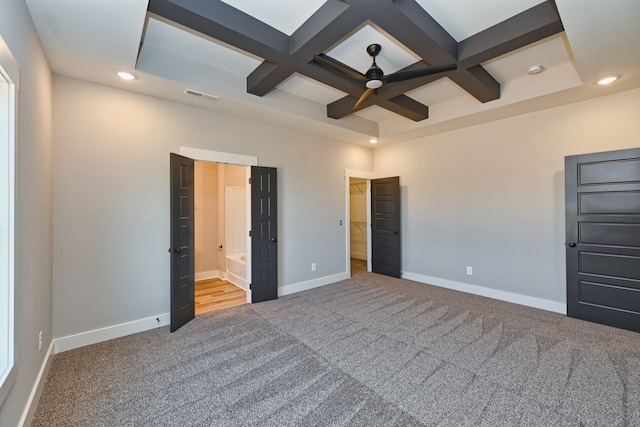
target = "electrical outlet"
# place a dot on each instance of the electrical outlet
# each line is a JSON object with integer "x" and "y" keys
{"x": 313, "y": 266}
{"x": 40, "y": 341}
{"x": 469, "y": 271}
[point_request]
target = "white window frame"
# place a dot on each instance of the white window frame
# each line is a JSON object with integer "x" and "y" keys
{"x": 9, "y": 88}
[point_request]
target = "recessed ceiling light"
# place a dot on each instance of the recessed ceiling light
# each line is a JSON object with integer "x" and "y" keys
{"x": 535, "y": 69}
{"x": 125, "y": 75}
{"x": 373, "y": 140}
{"x": 607, "y": 79}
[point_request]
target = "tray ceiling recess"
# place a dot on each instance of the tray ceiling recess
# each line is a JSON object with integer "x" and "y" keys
{"x": 405, "y": 23}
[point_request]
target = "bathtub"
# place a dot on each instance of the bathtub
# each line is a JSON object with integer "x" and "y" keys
{"x": 237, "y": 269}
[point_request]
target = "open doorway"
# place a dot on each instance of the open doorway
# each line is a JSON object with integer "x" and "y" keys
{"x": 382, "y": 216}
{"x": 220, "y": 236}
{"x": 358, "y": 230}
{"x": 261, "y": 217}
{"x": 358, "y": 221}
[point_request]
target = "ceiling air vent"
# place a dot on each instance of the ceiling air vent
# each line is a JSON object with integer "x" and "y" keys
{"x": 201, "y": 95}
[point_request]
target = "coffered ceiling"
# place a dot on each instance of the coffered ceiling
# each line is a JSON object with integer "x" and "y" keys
{"x": 255, "y": 59}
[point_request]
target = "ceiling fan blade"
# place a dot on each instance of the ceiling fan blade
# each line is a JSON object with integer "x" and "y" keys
{"x": 412, "y": 74}
{"x": 366, "y": 94}
{"x": 329, "y": 63}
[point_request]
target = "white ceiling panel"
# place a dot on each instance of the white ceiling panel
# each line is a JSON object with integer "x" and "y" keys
{"x": 207, "y": 51}
{"x": 283, "y": 15}
{"x": 374, "y": 113}
{"x": 549, "y": 53}
{"x": 464, "y": 18}
{"x": 306, "y": 88}
{"x": 439, "y": 91}
{"x": 353, "y": 51}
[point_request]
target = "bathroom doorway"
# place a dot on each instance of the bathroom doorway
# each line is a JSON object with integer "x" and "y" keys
{"x": 221, "y": 221}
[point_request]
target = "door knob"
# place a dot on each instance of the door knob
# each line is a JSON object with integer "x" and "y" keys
{"x": 273, "y": 239}
{"x": 177, "y": 250}
{"x": 396, "y": 232}
{"x": 572, "y": 245}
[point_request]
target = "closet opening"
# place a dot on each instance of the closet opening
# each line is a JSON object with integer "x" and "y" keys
{"x": 359, "y": 233}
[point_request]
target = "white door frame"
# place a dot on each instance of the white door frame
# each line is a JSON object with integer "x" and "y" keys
{"x": 201, "y": 155}
{"x": 368, "y": 176}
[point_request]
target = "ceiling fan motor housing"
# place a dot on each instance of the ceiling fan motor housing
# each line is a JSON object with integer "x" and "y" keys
{"x": 374, "y": 74}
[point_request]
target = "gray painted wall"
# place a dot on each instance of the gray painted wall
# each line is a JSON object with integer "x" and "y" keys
{"x": 33, "y": 273}
{"x": 111, "y": 198}
{"x": 492, "y": 196}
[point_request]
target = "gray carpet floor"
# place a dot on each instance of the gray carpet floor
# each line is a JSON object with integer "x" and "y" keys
{"x": 368, "y": 351}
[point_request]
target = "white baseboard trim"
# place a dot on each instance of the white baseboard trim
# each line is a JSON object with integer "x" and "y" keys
{"x": 204, "y": 275}
{"x": 110, "y": 332}
{"x": 310, "y": 284}
{"x": 238, "y": 281}
{"x": 34, "y": 397}
{"x": 534, "y": 302}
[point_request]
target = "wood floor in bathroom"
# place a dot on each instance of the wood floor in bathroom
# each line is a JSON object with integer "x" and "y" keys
{"x": 216, "y": 294}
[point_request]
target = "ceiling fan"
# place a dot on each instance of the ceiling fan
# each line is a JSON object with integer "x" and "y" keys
{"x": 374, "y": 78}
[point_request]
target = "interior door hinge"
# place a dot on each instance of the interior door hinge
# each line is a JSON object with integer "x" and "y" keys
{"x": 249, "y": 180}
{"x": 249, "y": 233}
{"x": 250, "y": 286}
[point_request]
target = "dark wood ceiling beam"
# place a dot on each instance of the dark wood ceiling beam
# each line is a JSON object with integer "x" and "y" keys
{"x": 525, "y": 28}
{"x": 401, "y": 104}
{"x": 328, "y": 25}
{"x": 407, "y": 107}
{"x": 405, "y": 20}
{"x": 334, "y": 21}
{"x": 477, "y": 82}
{"x": 394, "y": 89}
{"x": 344, "y": 106}
{"x": 266, "y": 77}
{"x": 530, "y": 26}
{"x": 409, "y": 23}
{"x": 333, "y": 80}
{"x": 220, "y": 21}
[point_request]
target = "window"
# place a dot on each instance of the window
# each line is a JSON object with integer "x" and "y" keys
{"x": 8, "y": 91}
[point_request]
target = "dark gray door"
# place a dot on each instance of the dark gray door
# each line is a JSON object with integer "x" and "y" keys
{"x": 603, "y": 237}
{"x": 385, "y": 226}
{"x": 182, "y": 248}
{"x": 264, "y": 234}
